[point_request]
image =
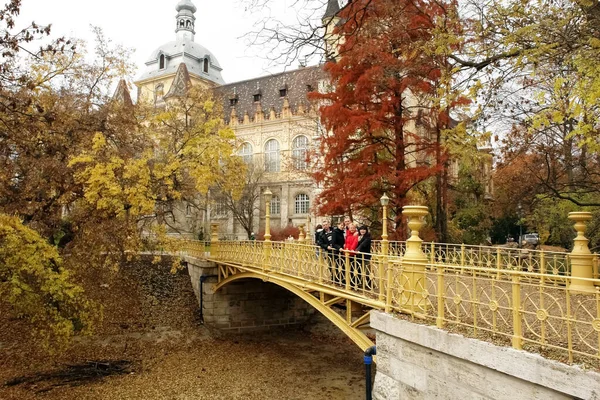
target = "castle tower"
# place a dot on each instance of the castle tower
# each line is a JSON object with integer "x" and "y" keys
{"x": 185, "y": 20}
{"x": 330, "y": 20}
{"x": 163, "y": 68}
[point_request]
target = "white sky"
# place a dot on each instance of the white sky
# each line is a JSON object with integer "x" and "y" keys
{"x": 144, "y": 25}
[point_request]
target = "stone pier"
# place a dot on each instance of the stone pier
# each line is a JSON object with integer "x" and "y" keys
{"x": 244, "y": 305}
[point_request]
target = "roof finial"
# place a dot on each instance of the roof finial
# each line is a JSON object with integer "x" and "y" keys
{"x": 185, "y": 20}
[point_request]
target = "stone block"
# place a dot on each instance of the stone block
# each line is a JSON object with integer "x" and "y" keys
{"x": 423, "y": 359}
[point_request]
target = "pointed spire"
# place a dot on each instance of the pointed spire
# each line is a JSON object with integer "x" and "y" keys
{"x": 122, "y": 94}
{"x": 333, "y": 7}
{"x": 185, "y": 20}
{"x": 181, "y": 83}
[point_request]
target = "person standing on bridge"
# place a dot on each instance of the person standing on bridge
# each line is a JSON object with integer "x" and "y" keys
{"x": 364, "y": 256}
{"x": 350, "y": 246}
{"x": 337, "y": 259}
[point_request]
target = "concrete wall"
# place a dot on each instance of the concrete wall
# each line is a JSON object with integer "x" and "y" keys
{"x": 422, "y": 362}
{"x": 245, "y": 305}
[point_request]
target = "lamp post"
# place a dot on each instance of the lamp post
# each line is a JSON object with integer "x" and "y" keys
{"x": 268, "y": 196}
{"x": 384, "y": 234}
{"x": 385, "y": 290}
{"x": 520, "y": 215}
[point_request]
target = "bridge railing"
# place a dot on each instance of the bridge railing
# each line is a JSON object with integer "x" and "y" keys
{"x": 498, "y": 257}
{"x": 547, "y": 302}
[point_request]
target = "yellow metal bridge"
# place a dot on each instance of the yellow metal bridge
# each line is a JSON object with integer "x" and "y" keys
{"x": 532, "y": 300}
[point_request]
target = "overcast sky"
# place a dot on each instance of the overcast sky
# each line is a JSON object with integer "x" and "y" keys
{"x": 144, "y": 25}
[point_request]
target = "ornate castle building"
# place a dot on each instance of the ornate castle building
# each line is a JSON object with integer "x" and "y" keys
{"x": 271, "y": 116}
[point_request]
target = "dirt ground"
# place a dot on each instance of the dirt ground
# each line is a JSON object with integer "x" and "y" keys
{"x": 152, "y": 346}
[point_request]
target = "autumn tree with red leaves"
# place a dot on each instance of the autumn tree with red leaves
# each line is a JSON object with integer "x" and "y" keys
{"x": 378, "y": 140}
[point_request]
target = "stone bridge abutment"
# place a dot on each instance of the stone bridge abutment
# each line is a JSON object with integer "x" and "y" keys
{"x": 244, "y": 305}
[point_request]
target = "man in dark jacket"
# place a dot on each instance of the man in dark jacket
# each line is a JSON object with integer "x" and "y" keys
{"x": 337, "y": 259}
{"x": 332, "y": 241}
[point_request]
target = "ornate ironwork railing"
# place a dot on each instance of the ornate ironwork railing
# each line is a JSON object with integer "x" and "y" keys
{"x": 508, "y": 296}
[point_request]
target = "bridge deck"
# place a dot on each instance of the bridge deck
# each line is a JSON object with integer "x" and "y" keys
{"x": 501, "y": 295}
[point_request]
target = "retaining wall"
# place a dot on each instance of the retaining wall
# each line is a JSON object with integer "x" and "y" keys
{"x": 423, "y": 362}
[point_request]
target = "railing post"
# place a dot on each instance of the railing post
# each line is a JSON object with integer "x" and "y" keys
{"x": 581, "y": 256}
{"x": 268, "y": 195}
{"x": 517, "y": 339}
{"x": 439, "y": 322}
{"x": 498, "y": 262}
{"x": 346, "y": 271}
{"x": 414, "y": 259}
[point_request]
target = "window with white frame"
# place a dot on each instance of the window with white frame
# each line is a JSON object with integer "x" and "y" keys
{"x": 275, "y": 205}
{"x": 220, "y": 209}
{"x": 246, "y": 153}
{"x": 299, "y": 148}
{"x": 302, "y": 204}
{"x": 272, "y": 156}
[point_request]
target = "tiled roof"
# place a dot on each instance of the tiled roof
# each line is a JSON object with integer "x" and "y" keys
{"x": 296, "y": 83}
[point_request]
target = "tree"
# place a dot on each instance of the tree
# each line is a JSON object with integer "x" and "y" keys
{"x": 379, "y": 142}
{"x": 243, "y": 202}
{"x": 92, "y": 174}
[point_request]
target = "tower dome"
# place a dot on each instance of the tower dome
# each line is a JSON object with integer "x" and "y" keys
{"x": 187, "y": 5}
{"x": 165, "y": 60}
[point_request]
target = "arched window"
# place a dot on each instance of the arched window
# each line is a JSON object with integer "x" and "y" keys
{"x": 181, "y": 23}
{"x": 188, "y": 23}
{"x": 161, "y": 61}
{"x": 299, "y": 148}
{"x": 246, "y": 152}
{"x": 205, "y": 67}
{"x": 272, "y": 156}
{"x": 302, "y": 204}
{"x": 275, "y": 205}
{"x": 159, "y": 92}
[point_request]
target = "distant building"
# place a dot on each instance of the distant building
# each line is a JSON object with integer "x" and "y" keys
{"x": 271, "y": 116}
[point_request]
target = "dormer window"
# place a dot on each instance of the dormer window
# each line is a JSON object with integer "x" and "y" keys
{"x": 161, "y": 61}
{"x": 257, "y": 97}
{"x": 205, "y": 66}
{"x": 283, "y": 90}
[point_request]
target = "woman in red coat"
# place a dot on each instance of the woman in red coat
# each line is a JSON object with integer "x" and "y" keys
{"x": 350, "y": 246}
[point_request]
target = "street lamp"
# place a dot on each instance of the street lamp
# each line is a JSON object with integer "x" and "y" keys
{"x": 268, "y": 196}
{"x": 520, "y": 214}
{"x": 384, "y": 235}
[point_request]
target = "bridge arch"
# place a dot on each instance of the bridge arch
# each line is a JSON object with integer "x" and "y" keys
{"x": 349, "y": 328}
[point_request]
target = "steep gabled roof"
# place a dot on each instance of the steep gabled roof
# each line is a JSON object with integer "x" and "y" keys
{"x": 181, "y": 82}
{"x": 333, "y": 7}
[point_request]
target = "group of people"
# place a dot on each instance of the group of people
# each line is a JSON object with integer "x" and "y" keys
{"x": 346, "y": 238}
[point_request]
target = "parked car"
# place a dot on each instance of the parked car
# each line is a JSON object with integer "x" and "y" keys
{"x": 531, "y": 238}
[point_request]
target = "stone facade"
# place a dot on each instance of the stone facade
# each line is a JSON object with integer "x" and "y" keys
{"x": 422, "y": 362}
